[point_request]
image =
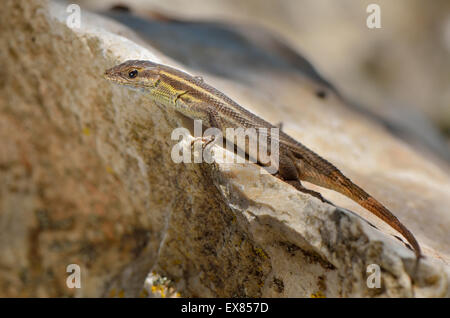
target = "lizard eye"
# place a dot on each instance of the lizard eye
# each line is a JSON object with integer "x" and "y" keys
{"x": 132, "y": 74}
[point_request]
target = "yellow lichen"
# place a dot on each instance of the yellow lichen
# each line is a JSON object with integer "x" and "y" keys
{"x": 177, "y": 262}
{"x": 112, "y": 293}
{"x": 86, "y": 131}
{"x": 109, "y": 169}
{"x": 261, "y": 253}
{"x": 144, "y": 293}
{"x": 318, "y": 295}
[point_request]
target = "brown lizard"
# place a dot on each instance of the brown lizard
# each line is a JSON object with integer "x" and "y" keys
{"x": 194, "y": 98}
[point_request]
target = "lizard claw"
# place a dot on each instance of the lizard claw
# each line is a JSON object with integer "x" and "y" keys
{"x": 205, "y": 141}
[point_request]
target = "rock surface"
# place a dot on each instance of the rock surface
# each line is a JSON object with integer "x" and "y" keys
{"x": 87, "y": 178}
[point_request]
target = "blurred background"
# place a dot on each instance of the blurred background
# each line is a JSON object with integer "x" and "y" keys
{"x": 398, "y": 74}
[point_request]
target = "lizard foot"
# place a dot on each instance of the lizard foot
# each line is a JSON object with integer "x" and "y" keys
{"x": 296, "y": 184}
{"x": 205, "y": 140}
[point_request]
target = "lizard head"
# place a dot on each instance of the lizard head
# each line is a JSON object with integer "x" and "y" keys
{"x": 134, "y": 73}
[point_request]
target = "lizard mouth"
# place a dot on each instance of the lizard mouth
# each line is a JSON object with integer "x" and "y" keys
{"x": 110, "y": 76}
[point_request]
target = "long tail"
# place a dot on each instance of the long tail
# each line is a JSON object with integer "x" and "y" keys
{"x": 367, "y": 201}
{"x": 336, "y": 181}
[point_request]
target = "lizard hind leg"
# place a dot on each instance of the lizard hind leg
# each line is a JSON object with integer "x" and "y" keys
{"x": 297, "y": 184}
{"x": 287, "y": 171}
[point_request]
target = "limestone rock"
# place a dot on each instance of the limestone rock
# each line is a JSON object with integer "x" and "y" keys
{"x": 87, "y": 178}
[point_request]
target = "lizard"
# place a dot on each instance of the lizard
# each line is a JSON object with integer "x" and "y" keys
{"x": 194, "y": 98}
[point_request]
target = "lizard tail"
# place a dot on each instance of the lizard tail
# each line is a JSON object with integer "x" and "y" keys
{"x": 383, "y": 213}
{"x": 368, "y": 202}
{"x": 351, "y": 190}
{"x": 336, "y": 181}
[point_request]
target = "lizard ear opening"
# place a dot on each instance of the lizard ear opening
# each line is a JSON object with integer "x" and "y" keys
{"x": 132, "y": 74}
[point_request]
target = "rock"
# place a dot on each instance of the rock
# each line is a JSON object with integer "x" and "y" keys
{"x": 87, "y": 179}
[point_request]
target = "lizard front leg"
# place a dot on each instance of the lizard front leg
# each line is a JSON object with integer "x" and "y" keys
{"x": 205, "y": 141}
{"x": 213, "y": 121}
